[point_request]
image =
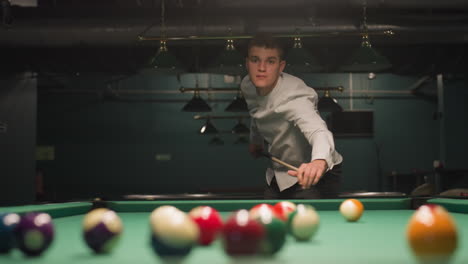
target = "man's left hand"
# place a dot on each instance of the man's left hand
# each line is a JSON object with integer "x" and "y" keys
{"x": 310, "y": 173}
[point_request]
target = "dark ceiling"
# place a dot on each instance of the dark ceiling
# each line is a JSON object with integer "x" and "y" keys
{"x": 103, "y": 35}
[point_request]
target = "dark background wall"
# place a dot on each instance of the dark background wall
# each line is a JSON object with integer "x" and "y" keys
{"x": 18, "y": 96}
{"x": 105, "y": 147}
{"x": 94, "y": 145}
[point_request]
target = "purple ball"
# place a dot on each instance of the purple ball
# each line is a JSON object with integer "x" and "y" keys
{"x": 102, "y": 229}
{"x": 34, "y": 233}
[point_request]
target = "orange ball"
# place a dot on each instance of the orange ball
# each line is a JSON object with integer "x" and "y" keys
{"x": 351, "y": 209}
{"x": 432, "y": 234}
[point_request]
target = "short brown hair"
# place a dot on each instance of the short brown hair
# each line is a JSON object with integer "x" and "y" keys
{"x": 266, "y": 40}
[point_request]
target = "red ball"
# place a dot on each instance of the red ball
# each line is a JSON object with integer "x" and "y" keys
{"x": 242, "y": 236}
{"x": 284, "y": 208}
{"x": 209, "y": 222}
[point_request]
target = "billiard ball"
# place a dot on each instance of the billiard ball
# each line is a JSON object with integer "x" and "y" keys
{"x": 304, "y": 222}
{"x": 34, "y": 233}
{"x": 173, "y": 232}
{"x": 259, "y": 208}
{"x": 432, "y": 234}
{"x": 241, "y": 235}
{"x": 102, "y": 229}
{"x": 162, "y": 212}
{"x": 8, "y": 223}
{"x": 275, "y": 232}
{"x": 284, "y": 208}
{"x": 209, "y": 222}
{"x": 351, "y": 209}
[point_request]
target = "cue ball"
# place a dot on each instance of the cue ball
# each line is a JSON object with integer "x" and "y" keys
{"x": 432, "y": 234}
{"x": 8, "y": 223}
{"x": 102, "y": 228}
{"x": 34, "y": 233}
{"x": 351, "y": 209}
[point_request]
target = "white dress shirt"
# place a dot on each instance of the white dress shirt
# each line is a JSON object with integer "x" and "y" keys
{"x": 288, "y": 120}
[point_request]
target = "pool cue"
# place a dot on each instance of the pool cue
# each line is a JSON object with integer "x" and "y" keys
{"x": 287, "y": 165}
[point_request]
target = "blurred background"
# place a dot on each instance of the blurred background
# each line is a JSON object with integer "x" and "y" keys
{"x": 108, "y": 98}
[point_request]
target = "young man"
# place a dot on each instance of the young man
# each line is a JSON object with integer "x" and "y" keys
{"x": 287, "y": 125}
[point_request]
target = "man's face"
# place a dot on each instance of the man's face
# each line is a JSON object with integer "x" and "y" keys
{"x": 264, "y": 66}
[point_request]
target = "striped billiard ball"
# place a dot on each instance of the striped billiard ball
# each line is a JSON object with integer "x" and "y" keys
{"x": 284, "y": 208}
{"x": 102, "y": 229}
{"x": 351, "y": 209}
{"x": 173, "y": 232}
{"x": 304, "y": 222}
{"x": 275, "y": 231}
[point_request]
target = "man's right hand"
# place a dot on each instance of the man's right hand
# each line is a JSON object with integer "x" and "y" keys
{"x": 255, "y": 150}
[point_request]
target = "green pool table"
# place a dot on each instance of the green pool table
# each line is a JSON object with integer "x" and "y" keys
{"x": 378, "y": 237}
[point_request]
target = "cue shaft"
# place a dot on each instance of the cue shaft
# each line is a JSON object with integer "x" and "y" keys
{"x": 287, "y": 165}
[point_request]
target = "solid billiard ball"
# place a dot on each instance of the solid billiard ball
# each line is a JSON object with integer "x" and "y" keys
{"x": 432, "y": 234}
{"x": 284, "y": 208}
{"x": 34, "y": 233}
{"x": 304, "y": 222}
{"x": 351, "y": 209}
{"x": 8, "y": 223}
{"x": 102, "y": 229}
{"x": 173, "y": 232}
{"x": 241, "y": 235}
{"x": 209, "y": 222}
{"x": 275, "y": 232}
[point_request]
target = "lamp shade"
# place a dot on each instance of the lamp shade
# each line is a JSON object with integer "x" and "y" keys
{"x": 238, "y": 104}
{"x": 196, "y": 104}
{"x": 240, "y": 129}
{"x": 229, "y": 61}
{"x": 242, "y": 139}
{"x": 300, "y": 60}
{"x": 165, "y": 62}
{"x": 216, "y": 141}
{"x": 208, "y": 128}
{"x": 328, "y": 104}
{"x": 366, "y": 59}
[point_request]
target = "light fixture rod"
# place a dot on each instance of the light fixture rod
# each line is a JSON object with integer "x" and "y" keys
{"x": 388, "y": 32}
{"x": 183, "y": 89}
{"x": 198, "y": 117}
{"x": 331, "y": 88}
